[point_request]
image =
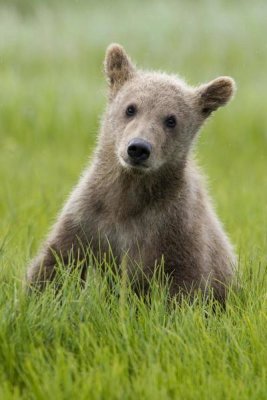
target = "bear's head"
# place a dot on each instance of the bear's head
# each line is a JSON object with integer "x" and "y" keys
{"x": 152, "y": 118}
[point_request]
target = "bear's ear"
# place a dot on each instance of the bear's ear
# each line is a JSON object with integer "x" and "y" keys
{"x": 215, "y": 94}
{"x": 118, "y": 67}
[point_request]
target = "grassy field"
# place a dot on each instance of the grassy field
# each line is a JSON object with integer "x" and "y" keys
{"x": 93, "y": 344}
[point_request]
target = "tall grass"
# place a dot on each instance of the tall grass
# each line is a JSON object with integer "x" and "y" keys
{"x": 101, "y": 343}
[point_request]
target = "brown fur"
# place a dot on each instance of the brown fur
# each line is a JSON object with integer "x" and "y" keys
{"x": 159, "y": 210}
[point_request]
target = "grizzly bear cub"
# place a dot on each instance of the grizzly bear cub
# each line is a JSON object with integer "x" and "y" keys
{"x": 143, "y": 196}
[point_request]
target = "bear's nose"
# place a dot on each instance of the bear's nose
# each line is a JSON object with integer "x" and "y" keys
{"x": 139, "y": 150}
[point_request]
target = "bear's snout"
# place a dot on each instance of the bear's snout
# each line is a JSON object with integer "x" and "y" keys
{"x": 138, "y": 150}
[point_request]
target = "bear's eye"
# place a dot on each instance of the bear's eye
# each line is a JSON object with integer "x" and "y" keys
{"x": 170, "y": 121}
{"x": 131, "y": 110}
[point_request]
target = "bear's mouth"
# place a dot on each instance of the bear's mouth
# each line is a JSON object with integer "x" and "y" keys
{"x": 133, "y": 165}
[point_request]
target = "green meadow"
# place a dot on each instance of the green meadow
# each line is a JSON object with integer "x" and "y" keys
{"x": 98, "y": 343}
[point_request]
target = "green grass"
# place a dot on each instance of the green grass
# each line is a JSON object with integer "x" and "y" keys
{"x": 93, "y": 344}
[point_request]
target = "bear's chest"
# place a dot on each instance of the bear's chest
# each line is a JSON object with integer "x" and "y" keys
{"x": 138, "y": 236}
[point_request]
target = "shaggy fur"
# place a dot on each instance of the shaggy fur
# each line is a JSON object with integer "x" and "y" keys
{"x": 159, "y": 209}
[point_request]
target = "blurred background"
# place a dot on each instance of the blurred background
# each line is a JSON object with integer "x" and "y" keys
{"x": 52, "y": 95}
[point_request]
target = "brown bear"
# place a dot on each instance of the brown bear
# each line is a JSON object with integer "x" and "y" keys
{"x": 143, "y": 196}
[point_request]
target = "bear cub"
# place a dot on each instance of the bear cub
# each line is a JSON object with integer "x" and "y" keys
{"x": 142, "y": 197}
